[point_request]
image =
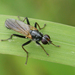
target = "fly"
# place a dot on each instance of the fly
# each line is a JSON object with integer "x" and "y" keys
{"x": 29, "y": 32}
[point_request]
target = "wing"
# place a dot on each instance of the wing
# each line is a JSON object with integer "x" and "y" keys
{"x": 18, "y": 26}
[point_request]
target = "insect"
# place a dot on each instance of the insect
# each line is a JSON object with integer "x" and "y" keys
{"x": 29, "y": 32}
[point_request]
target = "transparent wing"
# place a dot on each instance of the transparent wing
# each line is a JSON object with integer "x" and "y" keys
{"x": 18, "y": 26}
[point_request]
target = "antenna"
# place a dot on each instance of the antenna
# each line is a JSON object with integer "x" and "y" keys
{"x": 55, "y": 45}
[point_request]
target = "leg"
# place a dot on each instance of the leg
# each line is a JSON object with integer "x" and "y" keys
{"x": 36, "y": 24}
{"x": 24, "y": 20}
{"x": 42, "y": 47}
{"x": 25, "y": 50}
{"x": 14, "y": 35}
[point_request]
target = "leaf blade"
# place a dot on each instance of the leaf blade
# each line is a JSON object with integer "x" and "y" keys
{"x": 61, "y": 34}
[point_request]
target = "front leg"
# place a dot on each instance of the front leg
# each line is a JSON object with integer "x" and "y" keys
{"x": 42, "y": 47}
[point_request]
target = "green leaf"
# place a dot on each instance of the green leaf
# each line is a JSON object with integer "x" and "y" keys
{"x": 60, "y": 34}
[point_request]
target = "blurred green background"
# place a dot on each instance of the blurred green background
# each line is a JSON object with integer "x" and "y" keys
{"x": 61, "y": 11}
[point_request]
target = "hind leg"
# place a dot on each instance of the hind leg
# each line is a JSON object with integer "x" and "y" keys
{"x": 24, "y": 20}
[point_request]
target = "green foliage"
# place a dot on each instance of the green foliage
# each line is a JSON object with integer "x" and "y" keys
{"x": 60, "y": 34}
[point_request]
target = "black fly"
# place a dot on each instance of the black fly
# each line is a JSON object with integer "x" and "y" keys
{"x": 29, "y": 32}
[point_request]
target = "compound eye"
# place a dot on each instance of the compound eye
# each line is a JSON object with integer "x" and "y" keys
{"x": 47, "y": 36}
{"x": 44, "y": 41}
